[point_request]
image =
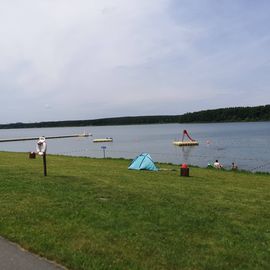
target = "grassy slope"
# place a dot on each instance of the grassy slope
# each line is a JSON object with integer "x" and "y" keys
{"x": 96, "y": 214}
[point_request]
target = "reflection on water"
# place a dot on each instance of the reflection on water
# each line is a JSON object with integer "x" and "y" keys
{"x": 184, "y": 153}
{"x": 246, "y": 144}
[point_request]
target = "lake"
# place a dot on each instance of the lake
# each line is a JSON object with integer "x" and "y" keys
{"x": 247, "y": 144}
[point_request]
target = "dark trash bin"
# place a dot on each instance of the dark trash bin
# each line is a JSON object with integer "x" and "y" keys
{"x": 184, "y": 170}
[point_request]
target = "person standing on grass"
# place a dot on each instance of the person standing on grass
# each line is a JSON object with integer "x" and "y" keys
{"x": 234, "y": 166}
{"x": 217, "y": 165}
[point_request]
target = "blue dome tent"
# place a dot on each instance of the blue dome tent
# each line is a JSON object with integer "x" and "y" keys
{"x": 143, "y": 162}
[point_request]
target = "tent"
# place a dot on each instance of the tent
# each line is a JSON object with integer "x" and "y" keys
{"x": 143, "y": 162}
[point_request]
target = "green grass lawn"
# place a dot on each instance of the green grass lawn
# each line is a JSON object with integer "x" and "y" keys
{"x": 97, "y": 214}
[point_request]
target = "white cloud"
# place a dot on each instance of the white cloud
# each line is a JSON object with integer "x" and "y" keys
{"x": 86, "y": 53}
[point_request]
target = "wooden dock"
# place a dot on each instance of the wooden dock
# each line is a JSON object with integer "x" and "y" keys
{"x": 185, "y": 143}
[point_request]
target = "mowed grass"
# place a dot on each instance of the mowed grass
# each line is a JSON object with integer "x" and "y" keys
{"x": 97, "y": 214}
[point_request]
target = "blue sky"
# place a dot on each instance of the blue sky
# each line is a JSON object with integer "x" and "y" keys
{"x": 86, "y": 59}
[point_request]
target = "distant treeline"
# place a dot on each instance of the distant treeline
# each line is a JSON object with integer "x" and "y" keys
{"x": 234, "y": 114}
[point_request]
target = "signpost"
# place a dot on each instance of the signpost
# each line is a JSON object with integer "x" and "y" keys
{"x": 103, "y": 148}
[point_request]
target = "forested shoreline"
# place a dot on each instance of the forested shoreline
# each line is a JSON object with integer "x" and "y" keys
{"x": 232, "y": 114}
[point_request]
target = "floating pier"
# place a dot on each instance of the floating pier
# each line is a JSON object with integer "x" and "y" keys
{"x": 191, "y": 142}
{"x": 185, "y": 143}
{"x": 103, "y": 140}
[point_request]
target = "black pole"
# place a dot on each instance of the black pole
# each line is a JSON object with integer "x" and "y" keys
{"x": 44, "y": 164}
{"x": 103, "y": 148}
{"x": 48, "y": 137}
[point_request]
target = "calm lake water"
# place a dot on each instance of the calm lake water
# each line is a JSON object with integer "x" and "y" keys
{"x": 247, "y": 144}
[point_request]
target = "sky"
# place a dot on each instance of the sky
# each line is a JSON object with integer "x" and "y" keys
{"x": 89, "y": 59}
